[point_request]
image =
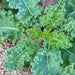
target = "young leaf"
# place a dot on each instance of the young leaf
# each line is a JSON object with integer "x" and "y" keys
{"x": 54, "y": 16}
{"x": 34, "y": 32}
{"x": 58, "y": 40}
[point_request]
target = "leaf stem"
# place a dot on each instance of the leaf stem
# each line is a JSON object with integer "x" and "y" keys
{"x": 47, "y": 61}
{"x": 71, "y": 14}
{"x": 8, "y": 28}
{"x": 69, "y": 52}
{"x": 27, "y": 6}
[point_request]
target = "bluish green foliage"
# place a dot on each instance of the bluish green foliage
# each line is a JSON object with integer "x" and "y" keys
{"x": 27, "y": 9}
{"x": 69, "y": 70}
{"x": 8, "y": 25}
{"x": 50, "y": 62}
{"x": 5, "y": 4}
{"x": 24, "y": 51}
{"x": 50, "y": 48}
{"x": 70, "y": 8}
{"x": 55, "y": 15}
{"x": 47, "y": 63}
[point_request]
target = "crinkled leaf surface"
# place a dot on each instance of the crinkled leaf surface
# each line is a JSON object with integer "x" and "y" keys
{"x": 58, "y": 40}
{"x": 54, "y": 16}
{"x": 47, "y": 63}
{"x": 69, "y": 70}
{"x": 69, "y": 27}
{"x": 26, "y": 9}
{"x": 8, "y": 26}
{"x": 22, "y": 52}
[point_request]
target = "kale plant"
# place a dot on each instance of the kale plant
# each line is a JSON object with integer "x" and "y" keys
{"x": 33, "y": 24}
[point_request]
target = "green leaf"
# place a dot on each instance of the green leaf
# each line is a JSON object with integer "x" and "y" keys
{"x": 47, "y": 63}
{"x": 72, "y": 51}
{"x": 69, "y": 27}
{"x": 15, "y": 3}
{"x": 69, "y": 70}
{"x": 70, "y": 8}
{"x": 5, "y": 4}
{"x": 8, "y": 27}
{"x": 24, "y": 51}
{"x": 68, "y": 55}
{"x": 34, "y": 32}
{"x": 58, "y": 40}
{"x": 26, "y": 9}
{"x": 54, "y": 16}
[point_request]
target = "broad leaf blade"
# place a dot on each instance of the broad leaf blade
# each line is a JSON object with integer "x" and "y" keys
{"x": 26, "y": 9}
{"x": 16, "y": 56}
{"x": 47, "y": 64}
